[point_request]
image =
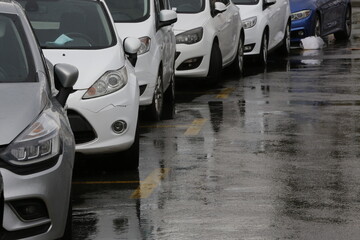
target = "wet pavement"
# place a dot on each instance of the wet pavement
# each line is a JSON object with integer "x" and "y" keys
{"x": 273, "y": 155}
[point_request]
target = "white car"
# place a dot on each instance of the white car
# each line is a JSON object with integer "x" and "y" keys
{"x": 103, "y": 112}
{"x": 151, "y": 22}
{"x": 267, "y": 27}
{"x": 209, "y": 37}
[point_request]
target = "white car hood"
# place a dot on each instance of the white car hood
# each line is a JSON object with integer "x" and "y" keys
{"x": 91, "y": 63}
{"x": 187, "y": 22}
{"x": 247, "y": 11}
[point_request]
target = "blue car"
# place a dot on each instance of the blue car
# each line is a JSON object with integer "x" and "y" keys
{"x": 320, "y": 18}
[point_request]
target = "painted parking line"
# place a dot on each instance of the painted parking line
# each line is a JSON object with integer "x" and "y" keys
{"x": 104, "y": 182}
{"x": 225, "y": 93}
{"x": 195, "y": 127}
{"x": 147, "y": 186}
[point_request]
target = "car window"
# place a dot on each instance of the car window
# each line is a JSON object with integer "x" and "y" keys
{"x": 246, "y": 2}
{"x": 70, "y": 24}
{"x": 188, "y": 6}
{"x": 16, "y": 61}
{"x": 226, "y": 2}
{"x": 129, "y": 10}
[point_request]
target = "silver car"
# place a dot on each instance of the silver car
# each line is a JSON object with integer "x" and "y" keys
{"x": 36, "y": 143}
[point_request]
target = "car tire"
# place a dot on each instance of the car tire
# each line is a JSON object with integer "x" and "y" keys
{"x": 68, "y": 226}
{"x": 285, "y": 46}
{"x": 215, "y": 66}
{"x": 169, "y": 100}
{"x": 263, "y": 55}
{"x": 154, "y": 111}
{"x": 238, "y": 64}
{"x": 346, "y": 32}
{"x": 317, "y": 27}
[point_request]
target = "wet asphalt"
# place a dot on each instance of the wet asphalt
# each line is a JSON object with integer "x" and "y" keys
{"x": 271, "y": 155}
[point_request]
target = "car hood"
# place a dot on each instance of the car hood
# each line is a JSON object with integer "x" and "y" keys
{"x": 92, "y": 64}
{"x": 248, "y": 11}
{"x": 298, "y": 5}
{"x": 136, "y": 30}
{"x": 187, "y": 22}
{"x": 20, "y": 104}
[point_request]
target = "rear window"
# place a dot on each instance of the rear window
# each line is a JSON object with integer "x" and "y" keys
{"x": 16, "y": 61}
{"x": 246, "y": 2}
{"x": 70, "y": 24}
{"x": 129, "y": 10}
{"x": 188, "y": 6}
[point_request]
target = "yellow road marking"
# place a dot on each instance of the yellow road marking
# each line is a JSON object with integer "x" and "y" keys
{"x": 195, "y": 127}
{"x": 225, "y": 93}
{"x": 104, "y": 182}
{"x": 150, "y": 183}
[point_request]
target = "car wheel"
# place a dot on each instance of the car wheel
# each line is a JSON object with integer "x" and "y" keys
{"x": 68, "y": 227}
{"x": 317, "y": 27}
{"x": 169, "y": 100}
{"x": 263, "y": 56}
{"x": 238, "y": 64}
{"x": 154, "y": 111}
{"x": 346, "y": 32}
{"x": 285, "y": 48}
{"x": 215, "y": 65}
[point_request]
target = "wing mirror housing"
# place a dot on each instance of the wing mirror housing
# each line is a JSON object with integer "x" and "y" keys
{"x": 65, "y": 76}
{"x": 219, "y": 8}
{"x": 131, "y": 47}
{"x": 268, "y": 3}
{"x": 167, "y": 17}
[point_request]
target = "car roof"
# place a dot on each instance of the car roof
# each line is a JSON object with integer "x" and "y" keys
{"x": 9, "y": 6}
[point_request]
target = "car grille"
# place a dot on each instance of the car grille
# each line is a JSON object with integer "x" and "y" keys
{"x": 81, "y": 128}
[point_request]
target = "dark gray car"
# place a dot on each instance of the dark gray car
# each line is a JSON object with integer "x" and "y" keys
{"x": 36, "y": 143}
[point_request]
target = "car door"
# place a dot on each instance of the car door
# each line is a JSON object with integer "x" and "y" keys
{"x": 222, "y": 23}
{"x": 331, "y": 15}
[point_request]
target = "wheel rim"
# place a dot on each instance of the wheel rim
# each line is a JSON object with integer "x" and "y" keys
{"x": 158, "y": 95}
{"x": 265, "y": 48}
{"x": 317, "y": 28}
{"x": 241, "y": 55}
{"x": 287, "y": 38}
{"x": 348, "y": 22}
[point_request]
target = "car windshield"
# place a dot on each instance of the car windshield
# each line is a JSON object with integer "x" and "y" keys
{"x": 129, "y": 10}
{"x": 70, "y": 24}
{"x": 188, "y": 6}
{"x": 246, "y": 2}
{"x": 16, "y": 62}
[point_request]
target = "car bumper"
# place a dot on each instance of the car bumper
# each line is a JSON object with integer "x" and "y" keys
{"x": 200, "y": 52}
{"x": 92, "y": 119}
{"x": 46, "y": 188}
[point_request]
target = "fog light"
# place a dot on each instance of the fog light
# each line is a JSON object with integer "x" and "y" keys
{"x": 301, "y": 33}
{"x": 119, "y": 126}
{"x": 30, "y": 209}
{"x": 189, "y": 64}
{"x": 249, "y": 48}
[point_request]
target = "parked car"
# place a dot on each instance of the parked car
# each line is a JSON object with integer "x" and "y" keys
{"x": 103, "y": 111}
{"x": 320, "y": 18}
{"x": 209, "y": 37}
{"x": 37, "y": 146}
{"x": 151, "y": 22}
{"x": 267, "y": 27}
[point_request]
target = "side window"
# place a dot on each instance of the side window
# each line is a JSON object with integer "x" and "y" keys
{"x": 226, "y": 2}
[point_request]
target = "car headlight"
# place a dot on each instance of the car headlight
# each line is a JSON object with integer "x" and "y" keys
{"x": 300, "y": 15}
{"x": 39, "y": 142}
{"x": 145, "y": 45}
{"x": 110, "y": 82}
{"x": 190, "y": 37}
{"x": 249, "y": 22}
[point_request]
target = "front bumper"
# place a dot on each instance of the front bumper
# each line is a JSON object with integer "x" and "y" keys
{"x": 302, "y": 28}
{"x": 52, "y": 187}
{"x": 92, "y": 119}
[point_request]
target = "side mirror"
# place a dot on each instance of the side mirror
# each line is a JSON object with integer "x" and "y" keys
{"x": 268, "y": 3}
{"x": 167, "y": 17}
{"x": 131, "y": 47}
{"x": 219, "y": 8}
{"x": 65, "y": 76}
